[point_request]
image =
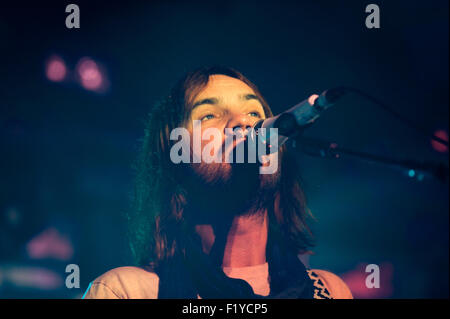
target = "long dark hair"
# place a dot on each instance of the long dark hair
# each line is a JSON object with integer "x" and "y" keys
{"x": 160, "y": 234}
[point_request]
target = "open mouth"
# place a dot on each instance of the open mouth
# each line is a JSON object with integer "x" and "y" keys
{"x": 229, "y": 155}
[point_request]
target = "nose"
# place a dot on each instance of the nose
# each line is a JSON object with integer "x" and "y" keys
{"x": 241, "y": 121}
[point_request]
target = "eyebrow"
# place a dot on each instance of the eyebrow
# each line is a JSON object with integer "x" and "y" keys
{"x": 214, "y": 100}
{"x": 209, "y": 100}
{"x": 250, "y": 97}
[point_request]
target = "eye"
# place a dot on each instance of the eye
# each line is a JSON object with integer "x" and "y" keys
{"x": 255, "y": 114}
{"x": 207, "y": 117}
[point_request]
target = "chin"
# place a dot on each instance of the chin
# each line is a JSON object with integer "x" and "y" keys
{"x": 225, "y": 188}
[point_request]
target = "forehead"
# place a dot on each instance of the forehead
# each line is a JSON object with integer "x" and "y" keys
{"x": 221, "y": 85}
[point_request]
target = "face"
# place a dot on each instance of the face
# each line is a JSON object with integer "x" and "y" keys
{"x": 225, "y": 103}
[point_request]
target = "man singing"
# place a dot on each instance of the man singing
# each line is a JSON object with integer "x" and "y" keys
{"x": 215, "y": 229}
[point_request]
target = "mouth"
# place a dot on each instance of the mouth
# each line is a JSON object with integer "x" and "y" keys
{"x": 229, "y": 155}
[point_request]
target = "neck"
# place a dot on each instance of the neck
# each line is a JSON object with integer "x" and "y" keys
{"x": 245, "y": 243}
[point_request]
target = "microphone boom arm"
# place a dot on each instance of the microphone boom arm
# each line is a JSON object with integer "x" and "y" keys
{"x": 326, "y": 149}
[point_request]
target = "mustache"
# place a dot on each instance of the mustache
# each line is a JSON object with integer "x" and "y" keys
{"x": 233, "y": 148}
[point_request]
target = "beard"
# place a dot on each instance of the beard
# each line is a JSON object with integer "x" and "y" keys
{"x": 225, "y": 190}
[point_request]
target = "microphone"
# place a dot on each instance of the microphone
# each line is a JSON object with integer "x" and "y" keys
{"x": 293, "y": 121}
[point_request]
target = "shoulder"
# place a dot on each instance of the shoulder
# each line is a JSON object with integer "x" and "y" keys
{"x": 329, "y": 285}
{"x": 124, "y": 283}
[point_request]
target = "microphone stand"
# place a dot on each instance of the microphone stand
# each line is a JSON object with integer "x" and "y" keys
{"x": 326, "y": 149}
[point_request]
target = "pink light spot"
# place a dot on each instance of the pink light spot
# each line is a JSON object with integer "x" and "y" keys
{"x": 34, "y": 277}
{"x": 90, "y": 74}
{"x": 356, "y": 281}
{"x": 56, "y": 69}
{"x": 437, "y": 146}
{"x": 50, "y": 244}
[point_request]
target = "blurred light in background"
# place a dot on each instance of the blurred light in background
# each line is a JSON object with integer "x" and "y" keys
{"x": 439, "y": 147}
{"x": 50, "y": 244}
{"x": 30, "y": 277}
{"x": 55, "y": 69}
{"x": 13, "y": 216}
{"x": 92, "y": 76}
{"x": 356, "y": 281}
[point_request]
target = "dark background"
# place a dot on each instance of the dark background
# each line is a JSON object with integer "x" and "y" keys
{"x": 66, "y": 152}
